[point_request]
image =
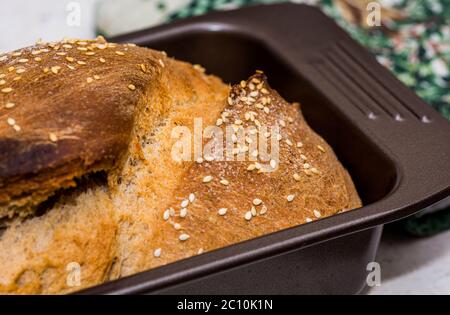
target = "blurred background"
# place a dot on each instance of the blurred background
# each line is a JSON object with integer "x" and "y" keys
{"x": 411, "y": 38}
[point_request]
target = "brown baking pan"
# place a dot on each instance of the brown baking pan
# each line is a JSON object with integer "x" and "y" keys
{"x": 395, "y": 146}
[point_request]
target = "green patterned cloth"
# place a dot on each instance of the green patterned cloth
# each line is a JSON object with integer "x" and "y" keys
{"x": 415, "y": 46}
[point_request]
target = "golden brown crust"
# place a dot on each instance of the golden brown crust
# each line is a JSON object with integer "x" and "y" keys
{"x": 127, "y": 226}
{"x": 73, "y": 111}
{"x": 307, "y": 169}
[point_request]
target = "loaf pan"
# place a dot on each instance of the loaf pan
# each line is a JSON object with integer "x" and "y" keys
{"x": 395, "y": 147}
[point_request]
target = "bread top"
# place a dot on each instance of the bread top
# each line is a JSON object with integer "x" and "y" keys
{"x": 66, "y": 108}
{"x": 154, "y": 209}
{"x": 187, "y": 208}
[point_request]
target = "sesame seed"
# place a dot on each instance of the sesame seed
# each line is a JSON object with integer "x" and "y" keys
{"x": 70, "y": 59}
{"x": 290, "y": 197}
{"x": 161, "y": 63}
{"x": 222, "y": 211}
{"x": 224, "y": 182}
{"x": 248, "y": 215}
{"x": 55, "y": 69}
{"x": 11, "y": 69}
{"x": 200, "y": 251}
{"x": 191, "y": 197}
{"x": 96, "y": 77}
{"x": 89, "y": 80}
{"x": 177, "y": 226}
{"x": 257, "y": 201}
{"x": 317, "y": 214}
{"x": 17, "y": 78}
{"x": 17, "y": 54}
{"x": 61, "y": 53}
{"x": 299, "y": 144}
{"x": 230, "y": 101}
{"x": 306, "y": 166}
{"x": 253, "y": 211}
{"x": 90, "y": 53}
{"x": 199, "y": 160}
{"x": 207, "y": 179}
{"x": 157, "y": 253}
{"x": 183, "y": 237}
{"x": 303, "y": 157}
{"x": 10, "y": 105}
{"x": 102, "y": 60}
{"x": 183, "y": 212}
{"x": 18, "y": 71}
{"x": 143, "y": 68}
{"x": 11, "y": 121}
{"x": 308, "y": 220}
{"x": 315, "y": 170}
{"x": 320, "y": 148}
{"x": 288, "y": 142}
{"x": 46, "y": 70}
{"x": 243, "y": 84}
{"x": 184, "y": 203}
{"x": 273, "y": 163}
{"x": 166, "y": 215}
{"x": 132, "y": 87}
{"x": 251, "y": 167}
{"x": 81, "y": 62}
{"x": 7, "y": 90}
{"x": 266, "y": 110}
{"x": 199, "y": 68}
{"x": 219, "y": 122}
{"x": 263, "y": 210}
{"x": 296, "y": 177}
{"x": 16, "y": 127}
{"x": 23, "y": 60}
{"x": 254, "y": 94}
{"x": 67, "y": 46}
{"x": 263, "y": 90}
{"x": 52, "y": 136}
{"x": 2, "y": 82}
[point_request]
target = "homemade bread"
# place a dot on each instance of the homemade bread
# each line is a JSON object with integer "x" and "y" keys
{"x": 116, "y": 112}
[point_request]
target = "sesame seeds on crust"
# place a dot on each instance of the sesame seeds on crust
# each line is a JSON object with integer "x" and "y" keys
{"x": 252, "y": 104}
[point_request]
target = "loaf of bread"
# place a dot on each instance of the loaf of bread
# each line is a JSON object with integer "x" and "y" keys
{"x": 91, "y": 175}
